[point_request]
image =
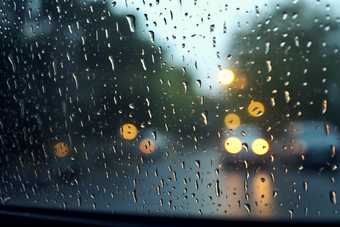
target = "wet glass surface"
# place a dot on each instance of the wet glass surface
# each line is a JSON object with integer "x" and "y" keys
{"x": 212, "y": 109}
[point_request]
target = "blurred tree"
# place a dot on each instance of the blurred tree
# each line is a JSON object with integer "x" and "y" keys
{"x": 83, "y": 75}
{"x": 288, "y": 64}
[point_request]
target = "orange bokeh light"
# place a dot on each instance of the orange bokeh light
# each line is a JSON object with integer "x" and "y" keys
{"x": 147, "y": 146}
{"x": 61, "y": 149}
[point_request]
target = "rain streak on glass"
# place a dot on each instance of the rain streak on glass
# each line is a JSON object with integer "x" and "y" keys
{"x": 132, "y": 22}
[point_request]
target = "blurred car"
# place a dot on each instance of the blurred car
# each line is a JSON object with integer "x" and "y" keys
{"x": 307, "y": 144}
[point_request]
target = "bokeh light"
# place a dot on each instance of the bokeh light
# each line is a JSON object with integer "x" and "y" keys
{"x": 256, "y": 109}
{"x": 260, "y": 146}
{"x": 225, "y": 77}
{"x": 233, "y": 145}
{"x": 128, "y": 131}
{"x": 147, "y": 146}
{"x": 232, "y": 121}
{"x": 61, "y": 149}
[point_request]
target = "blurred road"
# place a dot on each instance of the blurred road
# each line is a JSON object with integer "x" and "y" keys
{"x": 180, "y": 182}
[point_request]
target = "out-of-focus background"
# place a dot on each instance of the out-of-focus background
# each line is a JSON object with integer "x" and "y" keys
{"x": 213, "y": 109}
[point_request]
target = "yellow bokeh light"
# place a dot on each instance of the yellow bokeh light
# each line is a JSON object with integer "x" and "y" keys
{"x": 225, "y": 77}
{"x": 256, "y": 109}
{"x": 260, "y": 146}
{"x": 128, "y": 131}
{"x": 233, "y": 145}
{"x": 232, "y": 121}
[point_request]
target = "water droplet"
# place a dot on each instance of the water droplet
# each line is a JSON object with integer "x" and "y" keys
{"x": 198, "y": 163}
{"x": 269, "y": 66}
{"x": 324, "y": 106}
{"x": 147, "y": 101}
{"x": 327, "y": 129}
{"x": 199, "y": 83}
{"x": 257, "y": 11}
{"x": 30, "y": 12}
{"x": 334, "y": 167}
{"x": 333, "y": 197}
{"x": 290, "y": 213}
{"x": 217, "y": 171}
{"x": 247, "y": 206}
{"x": 287, "y": 96}
{"x": 198, "y": 175}
{"x": 333, "y": 151}
{"x": 275, "y": 193}
{"x": 205, "y": 118}
{"x": 217, "y": 188}
{"x": 154, "y": 135}
{"x": 212, "y": 28}
{"x": 134, "y": 196}
{"x": 132, "y": 106}
{"x": 143, "y": 63}
{"x": 196, "y": 185}
{"x": 267, "y": 47}
{"x": 70, "y": 29}
{"x": 305, "y": 185}
{"x": 185, "y": 84}
{"x": 132, "y": 22}
{"x": 183, "y": 71}
{"x": 245, "y": 146}
{"x": 247, "y": 174}
{"x": 246, "y": 185}
{"x": 309, "y": 44}
{"x": 112, "y": 63}
{"x": 11, "y": 59}
{"x": 196, "y": 65}
{"x": 22, "y": 108}
{"x": 143, "y": 124}
{"x": 272, "y": 101}
{"x": 54, "y": 65}
{"x": 296, "y": 40}
{"x": 152, "y": 36}
{"x": 75, "y": 80}
{"x": 295, "y": 15}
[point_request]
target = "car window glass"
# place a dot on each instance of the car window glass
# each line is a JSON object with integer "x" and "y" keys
{"x": 212, "y": 109}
